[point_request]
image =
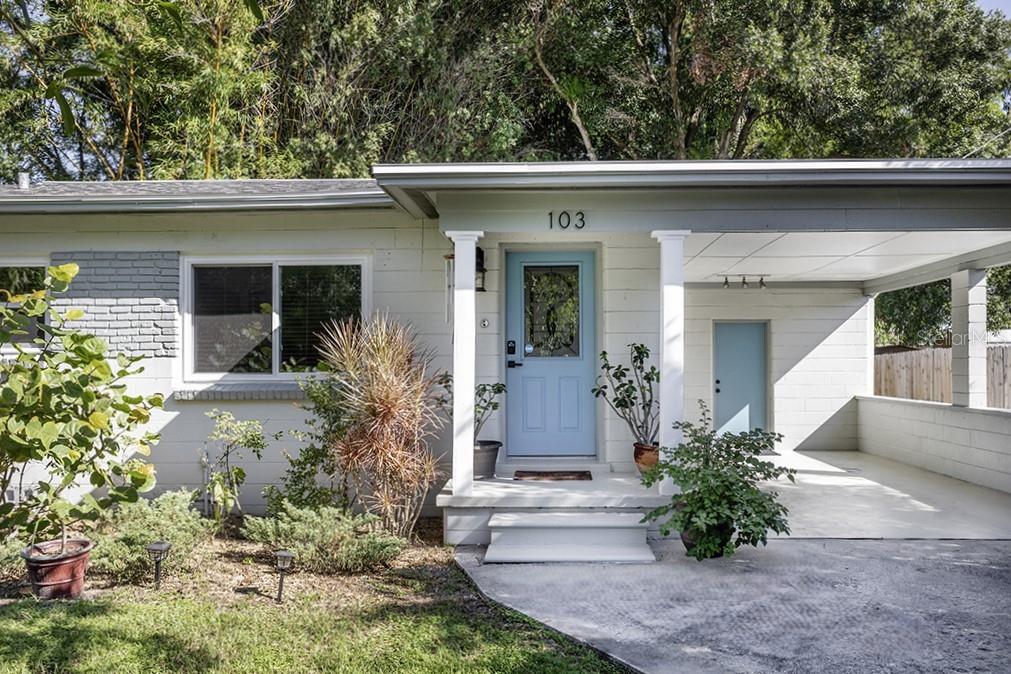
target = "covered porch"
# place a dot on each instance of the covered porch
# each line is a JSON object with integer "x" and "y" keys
{"x": 679, "y": 249}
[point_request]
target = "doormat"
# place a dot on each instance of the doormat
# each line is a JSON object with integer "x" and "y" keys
{"x": 552, "y": 475}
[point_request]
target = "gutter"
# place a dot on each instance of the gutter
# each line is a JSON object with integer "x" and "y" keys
{"x": 248, "y": 202}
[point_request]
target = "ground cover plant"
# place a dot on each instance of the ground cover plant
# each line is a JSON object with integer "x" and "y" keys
{"x": 326, "y": 540}
{"x": 420, "y": 614}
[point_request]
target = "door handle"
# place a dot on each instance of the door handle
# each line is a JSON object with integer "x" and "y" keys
{"x": 513, "y": 363}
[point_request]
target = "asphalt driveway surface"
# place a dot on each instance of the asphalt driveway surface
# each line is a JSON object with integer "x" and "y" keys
{"x": 815, "y": 605}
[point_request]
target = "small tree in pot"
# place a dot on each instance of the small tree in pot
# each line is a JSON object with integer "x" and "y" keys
{"x": 485, "y": 451}
{"x": 721, "y": 505}
{"x": 630, "y": 392}
{"x": 66, "y": 428}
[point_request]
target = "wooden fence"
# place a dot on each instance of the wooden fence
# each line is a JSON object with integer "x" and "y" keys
{"x": 926, "y": 375}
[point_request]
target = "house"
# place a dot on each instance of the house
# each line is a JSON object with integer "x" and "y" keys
{"x": 752, "y": 282}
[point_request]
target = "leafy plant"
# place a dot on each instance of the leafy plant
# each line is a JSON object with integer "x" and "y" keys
{"x": 12, "y": 566}
{"x": 721, "y": 506}
{"x": 224, "y": 480}
{"x": 122, "y": 534}
{"x": 326, "y": 540}
{"x": 66, "y": 417}
{"x": 485, "y": 404}
{"x": 314, "y": 477}
{"x": 385, "y": 385}
{"x": 629, "y": 391}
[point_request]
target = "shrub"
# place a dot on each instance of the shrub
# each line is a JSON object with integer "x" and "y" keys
{"x": 224, "y": 481}
{"x": 394, "y": 401}
{"x": 124, "y": 532}
{"x": 721, "y": 506}
{"x": 326, "y": 540}
{"x": 12, "y": 566}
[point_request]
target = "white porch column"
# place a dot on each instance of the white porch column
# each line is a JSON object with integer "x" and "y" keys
{"x": 672, "y": 338}
{"x": 968, "y": 338}
{"x": 464, "y": 359}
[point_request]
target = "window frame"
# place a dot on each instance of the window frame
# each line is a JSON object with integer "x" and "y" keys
{"x": 275, "y": 262}
{"x": 26, "y": 261}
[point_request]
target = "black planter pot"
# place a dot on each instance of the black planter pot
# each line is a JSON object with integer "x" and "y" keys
{"x": 485, "y": 456}
{"x": 690, "y": 537}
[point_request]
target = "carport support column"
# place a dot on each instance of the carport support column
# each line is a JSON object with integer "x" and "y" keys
{"x": 672, "y": 339}
{"x": 464, "y": 358}
{"x": 968, "y": 338}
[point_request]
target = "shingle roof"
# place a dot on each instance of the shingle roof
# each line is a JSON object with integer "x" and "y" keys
{"x": 191, "y": 194}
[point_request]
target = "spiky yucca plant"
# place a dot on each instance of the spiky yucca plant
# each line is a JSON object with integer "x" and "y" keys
{"x": 394, "y": 405}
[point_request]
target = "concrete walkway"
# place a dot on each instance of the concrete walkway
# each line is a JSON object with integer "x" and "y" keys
{"x": 794, "y": 606}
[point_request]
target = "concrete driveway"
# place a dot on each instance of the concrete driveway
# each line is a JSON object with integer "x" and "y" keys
{"x": 929, "y": 592}
{"x": 794, "y": 606}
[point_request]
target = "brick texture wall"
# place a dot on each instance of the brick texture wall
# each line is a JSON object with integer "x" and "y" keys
{"x": 130, "y": 299}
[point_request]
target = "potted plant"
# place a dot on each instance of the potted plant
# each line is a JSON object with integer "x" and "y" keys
{"x": 721, "y": 505}
{"x": 629, "y": 391}
{"x": 485, "y": 451}
{"x": 67, "y": 429}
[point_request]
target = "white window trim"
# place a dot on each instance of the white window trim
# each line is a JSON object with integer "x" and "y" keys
{"x": 28, "y": 261}
{"x": 186, "y": 302}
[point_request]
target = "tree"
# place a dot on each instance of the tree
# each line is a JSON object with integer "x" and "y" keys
{"x": 695, "y": 79}
{"x": 921, "y": 315}
{"x": 106, "y": 89}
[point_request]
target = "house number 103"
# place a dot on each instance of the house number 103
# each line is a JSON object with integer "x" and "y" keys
{"x": 565, "y": 219}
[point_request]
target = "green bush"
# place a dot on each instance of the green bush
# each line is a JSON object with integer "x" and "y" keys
{"x": 122, "y": 535}
{"x": 327, "y": 540}
{"x": 12, "y": 567}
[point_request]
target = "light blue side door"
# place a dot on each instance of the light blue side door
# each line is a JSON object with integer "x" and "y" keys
{"x": 550, "y": 354}
{"x": 740, "y": 386}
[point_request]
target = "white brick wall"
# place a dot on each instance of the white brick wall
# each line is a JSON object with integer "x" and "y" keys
{"x": 967, "y": 443}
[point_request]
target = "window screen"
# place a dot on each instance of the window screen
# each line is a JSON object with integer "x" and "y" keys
{"x": 311, "y": 297}
{"x": 232, "y": 317}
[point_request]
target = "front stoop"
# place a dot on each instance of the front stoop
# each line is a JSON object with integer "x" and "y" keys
{"x": 567, "y": 537}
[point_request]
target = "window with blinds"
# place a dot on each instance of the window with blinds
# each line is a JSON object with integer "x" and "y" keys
{"x": 266, "y": 318}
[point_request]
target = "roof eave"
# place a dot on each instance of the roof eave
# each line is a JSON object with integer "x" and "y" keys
{"x": 249, "y": 202}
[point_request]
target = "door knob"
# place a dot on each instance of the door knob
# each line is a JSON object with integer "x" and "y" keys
{"x": 513, "y": 363}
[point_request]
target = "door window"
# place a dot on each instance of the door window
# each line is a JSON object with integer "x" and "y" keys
{"x": 551, "y": 311}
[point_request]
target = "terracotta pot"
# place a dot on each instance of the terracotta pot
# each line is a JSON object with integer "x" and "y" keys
{"x": 646, "y": 456}
{"x": 485, "y": 456}
{"x": 56, "y": 576}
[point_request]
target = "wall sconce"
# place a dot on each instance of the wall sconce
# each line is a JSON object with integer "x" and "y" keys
{"x": 479, "y": 270}
{"x": 157, "y": 552}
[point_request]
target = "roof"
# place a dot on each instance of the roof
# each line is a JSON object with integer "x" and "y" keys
{"x": 409, "y": 183}
{"x": 164, "y": 195}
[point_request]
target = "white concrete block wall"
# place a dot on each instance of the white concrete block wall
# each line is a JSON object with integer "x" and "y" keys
{"x": 971, "y": 444}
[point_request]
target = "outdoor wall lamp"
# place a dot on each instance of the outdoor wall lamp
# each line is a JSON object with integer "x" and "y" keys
{"x": 479, "y": 270}
{"x": 158, "y": 552}
{"x": 284, "y": 559}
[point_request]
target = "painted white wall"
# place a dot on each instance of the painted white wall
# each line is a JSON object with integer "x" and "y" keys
{"x": 971, "y": 444}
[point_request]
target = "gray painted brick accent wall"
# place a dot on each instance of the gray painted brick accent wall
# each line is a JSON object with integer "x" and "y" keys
{"x": 130, "y": 299}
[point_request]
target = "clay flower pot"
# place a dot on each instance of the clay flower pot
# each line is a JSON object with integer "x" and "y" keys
{"x": 55, "y": 575}
{"x": 646, "y": 456}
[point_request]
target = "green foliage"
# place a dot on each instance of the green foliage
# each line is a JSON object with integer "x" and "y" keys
{"x": 65, "y": 412}
{"x": 12, "y": 566}
{"x": 198, "y": 89}
{"x": 921, "y": 315}
{"x": 486, "y": 403}
{"x": 326, "y": 540}
{"x": 224, "y": 480}
{"x": 721, "y": 505}
{"x": 122, "y": 534}
{"x": 314, "y": 478}
{"x": 629, "y": 391}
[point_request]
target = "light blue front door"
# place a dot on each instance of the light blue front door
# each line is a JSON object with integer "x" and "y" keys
{"x": 550, "y": 354}
{"x": 739, "y": 386}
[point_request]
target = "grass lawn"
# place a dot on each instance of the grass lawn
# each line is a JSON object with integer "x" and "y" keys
{"x": 421, "y": 615}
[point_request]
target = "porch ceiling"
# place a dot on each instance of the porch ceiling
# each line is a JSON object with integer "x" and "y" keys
{"x": 826, "y": 256}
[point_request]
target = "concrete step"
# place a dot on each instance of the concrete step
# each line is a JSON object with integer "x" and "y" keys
{"x": 553, "y": 536}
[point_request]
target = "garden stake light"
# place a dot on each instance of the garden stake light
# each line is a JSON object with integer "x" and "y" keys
{"x": 284, "y": 558}
{"x": 158, "y": 552}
